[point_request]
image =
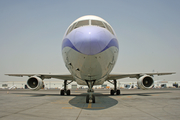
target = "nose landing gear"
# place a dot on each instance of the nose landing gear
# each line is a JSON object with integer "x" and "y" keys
{"x": 90, "y": 97}
{"x": 90, "y": 91}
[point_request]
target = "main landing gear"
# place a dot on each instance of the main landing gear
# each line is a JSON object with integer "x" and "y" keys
{"x": 90, "y": 91}
{"x": 65, "y": 91}
{"x": 115, "y": 90}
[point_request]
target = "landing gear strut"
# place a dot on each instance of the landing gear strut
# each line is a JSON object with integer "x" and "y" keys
{"x": 65, "y": 91}
{"x": 90, "y": 91}
{"x": 115, "y": 90}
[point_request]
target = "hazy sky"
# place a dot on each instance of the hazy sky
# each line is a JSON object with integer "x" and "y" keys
{"x": 31, "y": 33}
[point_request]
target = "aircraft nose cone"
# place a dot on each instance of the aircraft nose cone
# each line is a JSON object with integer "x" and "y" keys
{"x": 91, "y": 40}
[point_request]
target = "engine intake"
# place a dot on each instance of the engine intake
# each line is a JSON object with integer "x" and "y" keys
{"x": 145, "y": 82}
{"x": 35, "y": 83}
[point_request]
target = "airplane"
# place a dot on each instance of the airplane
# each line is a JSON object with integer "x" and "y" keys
{"x": 90, "y": 49}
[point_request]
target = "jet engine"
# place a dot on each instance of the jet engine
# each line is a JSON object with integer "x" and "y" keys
{"x": 145, "y": 82}
{"x": 35, "y": 83}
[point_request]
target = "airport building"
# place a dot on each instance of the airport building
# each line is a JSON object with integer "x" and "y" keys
{"x": 58, "y": 84}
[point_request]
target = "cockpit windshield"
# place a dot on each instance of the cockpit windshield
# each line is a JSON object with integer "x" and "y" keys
{"x": 97, "y": 23}
{"x": 78, "y": 24}
{"x": 89, "y": 22}
{"x": 82, "y": 23}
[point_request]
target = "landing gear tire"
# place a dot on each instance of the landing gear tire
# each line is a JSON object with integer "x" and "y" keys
{"x": 118, "y": 92}
{"x": 112, "y": 92}
{"x": 68, "y": 92}
{"x": 87, "y": 99}
{"x": 93, "y": 99}
{"x": 62, "y": 92}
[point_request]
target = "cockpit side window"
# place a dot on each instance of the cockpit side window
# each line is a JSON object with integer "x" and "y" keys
{"x": 109, "y": 28}
{"x": 77, "y": 24}
{"x": 71, "y": 28}
{"x": 97, "y": 23}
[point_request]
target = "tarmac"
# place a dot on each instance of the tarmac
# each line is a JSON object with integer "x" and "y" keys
{"x": 136, "y": 104}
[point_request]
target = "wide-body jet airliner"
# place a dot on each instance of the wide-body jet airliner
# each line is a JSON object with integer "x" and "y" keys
{"x": 90, "y": 49}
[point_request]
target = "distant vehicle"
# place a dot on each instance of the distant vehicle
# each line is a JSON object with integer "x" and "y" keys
{"x": 13, "y": 87}
{"x": 175, "y": 85}
{"x": 90, "y": 49}
{"x": 127, "y": 86}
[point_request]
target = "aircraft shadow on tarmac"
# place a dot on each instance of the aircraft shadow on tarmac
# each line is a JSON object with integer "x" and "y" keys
{"x": 96, "y": 94}
{"x": 103, "y": 101}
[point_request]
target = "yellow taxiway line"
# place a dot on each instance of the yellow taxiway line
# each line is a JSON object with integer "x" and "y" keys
{"x": 89, "y": 105}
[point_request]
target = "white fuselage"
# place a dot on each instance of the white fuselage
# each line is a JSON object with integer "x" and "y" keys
{"x": 89, "y": 49}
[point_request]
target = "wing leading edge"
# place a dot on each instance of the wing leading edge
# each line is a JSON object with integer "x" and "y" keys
{"x": 110, "y": 76}
{"x": 45, "y": 76}
{"x": 134, "y": 75}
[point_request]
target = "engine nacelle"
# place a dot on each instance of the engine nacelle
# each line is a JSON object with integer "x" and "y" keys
{"x": 145, "y": 82}
{"x": 35, "y": 83}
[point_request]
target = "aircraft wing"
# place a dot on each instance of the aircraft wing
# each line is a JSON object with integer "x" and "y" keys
{"x": 45, "y": 76}
{"x": 134, "y": 75}
{"x": 70, "y": 77}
